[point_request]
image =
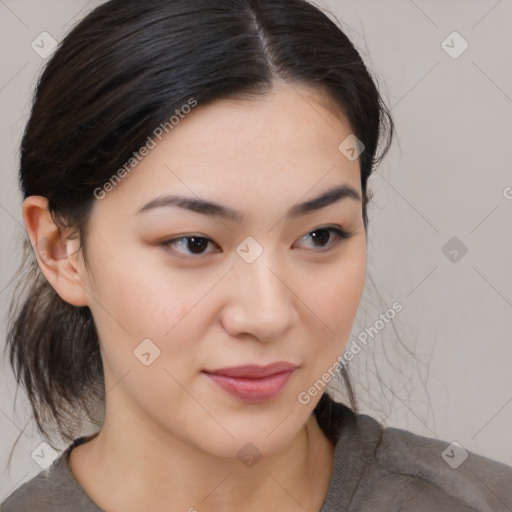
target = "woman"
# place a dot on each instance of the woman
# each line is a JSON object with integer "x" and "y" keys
{"x": 194, "y": 177}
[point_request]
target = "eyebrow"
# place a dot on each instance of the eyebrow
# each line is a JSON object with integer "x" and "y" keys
{"x": 214, "y": 209}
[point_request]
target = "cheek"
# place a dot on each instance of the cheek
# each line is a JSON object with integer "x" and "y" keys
{"x": 133, "y": 302}
{"x": 333, "y": 295}
{"x": 335, "y": 292}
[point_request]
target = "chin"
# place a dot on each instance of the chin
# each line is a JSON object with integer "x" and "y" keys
{"x": 247, "y": 444}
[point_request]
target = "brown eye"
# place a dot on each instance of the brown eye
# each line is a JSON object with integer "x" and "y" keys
{"x": 322, "y": 236}
{"x": 189, "y": 245}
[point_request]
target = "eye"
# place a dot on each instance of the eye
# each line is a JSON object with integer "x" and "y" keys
{"x": 322, "y": 236}
{"x": 192, "y": 244}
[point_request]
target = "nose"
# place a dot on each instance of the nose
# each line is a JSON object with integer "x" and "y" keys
{"x": 261, "y": 302}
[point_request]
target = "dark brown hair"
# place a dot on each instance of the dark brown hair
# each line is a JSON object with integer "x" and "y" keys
{"x": 120, "y": 73}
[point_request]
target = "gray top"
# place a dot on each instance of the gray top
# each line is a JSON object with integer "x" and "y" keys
{"x": 375, "y": 469}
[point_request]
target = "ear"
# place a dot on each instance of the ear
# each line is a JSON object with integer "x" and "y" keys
{"x": 59, "y": 258}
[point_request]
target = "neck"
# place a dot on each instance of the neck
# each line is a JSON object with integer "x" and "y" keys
{"x": 141, "y": 468}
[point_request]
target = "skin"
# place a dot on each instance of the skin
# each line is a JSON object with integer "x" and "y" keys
{"x": 171, "y": 435}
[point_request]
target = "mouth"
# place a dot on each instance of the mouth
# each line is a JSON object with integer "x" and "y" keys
{"x": 253, "y": 383}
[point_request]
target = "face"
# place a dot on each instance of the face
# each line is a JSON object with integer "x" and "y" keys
{"x": 274, "y": 283}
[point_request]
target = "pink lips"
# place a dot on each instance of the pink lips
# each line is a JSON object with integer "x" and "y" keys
{"x": 253, "y": 383}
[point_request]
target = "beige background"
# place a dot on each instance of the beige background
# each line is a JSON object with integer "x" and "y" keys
{"x": 447, "y": 178}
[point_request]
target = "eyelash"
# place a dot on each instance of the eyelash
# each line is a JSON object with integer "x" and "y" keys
{"x": 338, "y": 232}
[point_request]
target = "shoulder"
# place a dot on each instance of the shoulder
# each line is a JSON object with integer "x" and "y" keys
{"x": 423, "y": 473}
{"x": 377, "y": 468}
{"x": 32, "y": 495}
{"x": 53, "y": 489}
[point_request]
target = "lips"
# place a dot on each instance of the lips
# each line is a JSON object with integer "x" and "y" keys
{"x": 253, "y": 371}
{"x": 253, "y": 383}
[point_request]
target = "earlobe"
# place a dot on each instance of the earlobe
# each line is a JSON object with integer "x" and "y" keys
{"x": 58, "y": 257}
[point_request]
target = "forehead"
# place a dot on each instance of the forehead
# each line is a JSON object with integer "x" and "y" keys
{"x": 277, "y": 146}
{"x": 287, "y": 120}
